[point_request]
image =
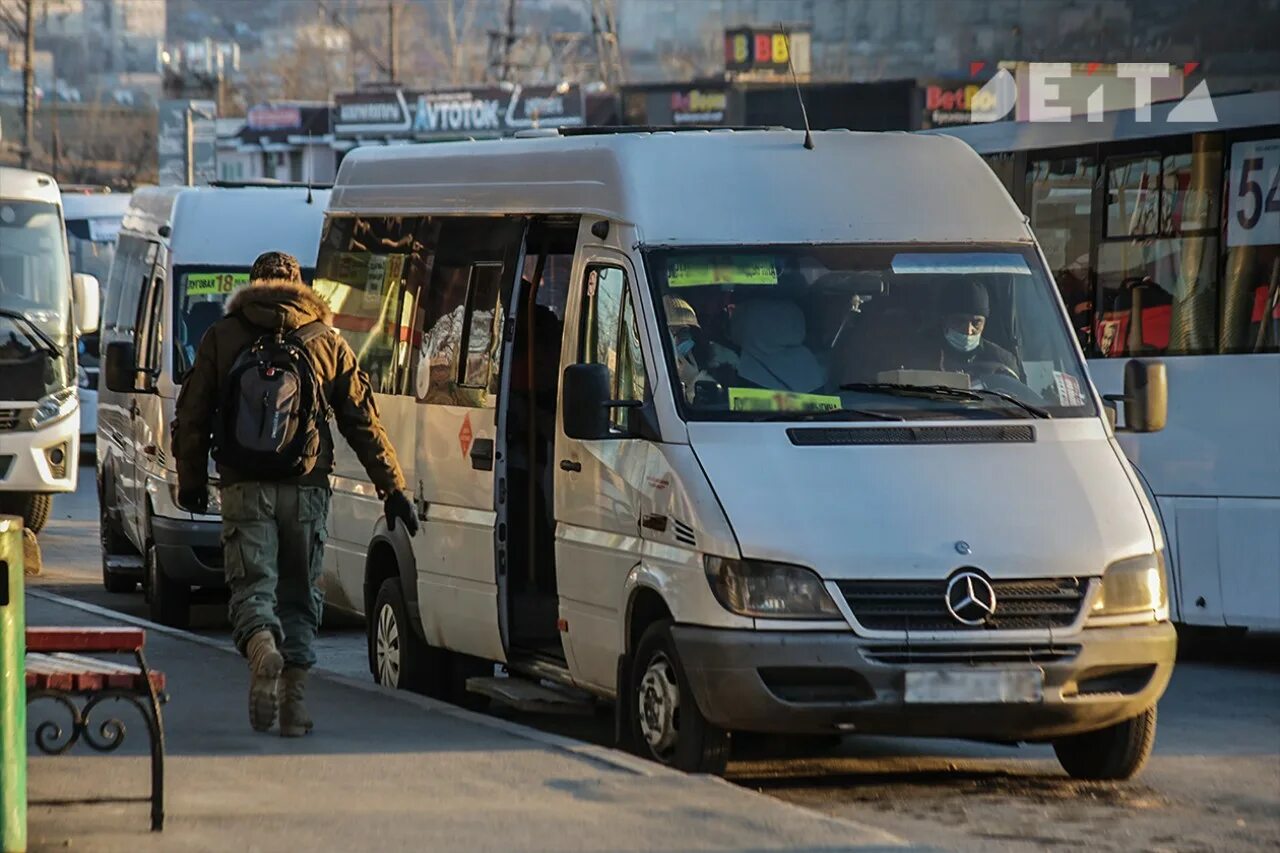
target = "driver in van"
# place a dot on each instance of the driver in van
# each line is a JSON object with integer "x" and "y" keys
{"x": 686, "y": 331}
{"x": 963, "y": 347}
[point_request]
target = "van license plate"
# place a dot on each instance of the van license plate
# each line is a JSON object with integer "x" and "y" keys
{"x": 961, "y": 687}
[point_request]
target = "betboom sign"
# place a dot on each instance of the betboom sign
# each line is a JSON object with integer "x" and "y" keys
{"x": 488, "y": 111}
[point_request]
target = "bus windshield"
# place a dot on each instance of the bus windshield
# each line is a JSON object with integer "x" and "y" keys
{"x": 866, "y": 333}
{"x": 34, "y": 281}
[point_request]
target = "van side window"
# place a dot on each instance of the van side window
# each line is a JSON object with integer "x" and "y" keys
{"x": 611, "y": 336}
{"x": 128, "y": 278}
{"x": 370, "y": 270}
{"x": 472, "y": 274}
{"x": 149, "y": 314}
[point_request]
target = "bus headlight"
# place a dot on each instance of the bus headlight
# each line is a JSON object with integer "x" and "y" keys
{"x": 1133, "y": 590}
{"x": 54, "y": 407}
{"x": 769, "y": 590}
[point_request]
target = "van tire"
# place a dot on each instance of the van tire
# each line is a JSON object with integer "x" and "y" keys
{"x": 113, "y": 543}
{"x": 1115, "y": 753}
{"x": 168, "y": 601}
{"x": 400, "y": 658}
{"x": 34, "y": 509}
{"x": 661, "y": 707}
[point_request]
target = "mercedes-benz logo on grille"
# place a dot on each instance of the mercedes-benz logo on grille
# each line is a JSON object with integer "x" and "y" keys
{"x": 970, "y": 598}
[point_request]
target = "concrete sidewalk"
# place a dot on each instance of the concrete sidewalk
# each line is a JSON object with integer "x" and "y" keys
{"x": 383, "y": 771}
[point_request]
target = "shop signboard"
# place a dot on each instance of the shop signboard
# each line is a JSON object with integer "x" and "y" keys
{"x": 447, "y": 113}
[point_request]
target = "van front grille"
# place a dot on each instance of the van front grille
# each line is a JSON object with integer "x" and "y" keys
{"x": 972, "y": 654}
{"x": 1021, "y": 605}
{"x": 10, "y": 419}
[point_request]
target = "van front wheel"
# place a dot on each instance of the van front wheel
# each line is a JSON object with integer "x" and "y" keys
{"x": 34, "y": 509}
{"x": 1115, "y": 753}
{"x": 400, "y": 658}
{"x": 666, "y": 724}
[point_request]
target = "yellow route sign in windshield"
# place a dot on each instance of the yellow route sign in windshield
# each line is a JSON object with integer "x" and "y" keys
{"x": 214, "y": 283}
{"x": 702, "y": 270}
{"x": 767, "y": 400}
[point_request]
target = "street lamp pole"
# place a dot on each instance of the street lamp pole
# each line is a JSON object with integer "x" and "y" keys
{"x": 29, "y": 87}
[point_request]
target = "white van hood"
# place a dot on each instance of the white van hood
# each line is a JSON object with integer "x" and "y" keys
{"x": 1062, "y": 505}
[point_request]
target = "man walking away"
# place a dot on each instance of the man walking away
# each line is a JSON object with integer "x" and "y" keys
{"x": 266, "y": 379}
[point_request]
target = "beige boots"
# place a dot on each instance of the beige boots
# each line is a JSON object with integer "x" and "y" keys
{"x": 265, "y": 665}
{"x": 294, "y": 719}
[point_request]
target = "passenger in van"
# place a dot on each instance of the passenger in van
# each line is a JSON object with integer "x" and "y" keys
{"x": 273, "y": 530}
{"x": 966, "y": 307}
{"x": 770, "y": 334}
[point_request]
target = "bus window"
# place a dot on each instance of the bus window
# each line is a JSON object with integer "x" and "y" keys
{"x": 1251, "y": 278}
{"x": 1060, "y": 203}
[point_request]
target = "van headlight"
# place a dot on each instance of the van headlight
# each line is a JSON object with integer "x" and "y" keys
{"x": 54, "y": 407}
{"x": 1133, "y": 591}
{"x": 769, "y": 590}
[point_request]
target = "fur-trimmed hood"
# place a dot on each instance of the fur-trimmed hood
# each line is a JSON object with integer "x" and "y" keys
{"x": 279, "y": 305}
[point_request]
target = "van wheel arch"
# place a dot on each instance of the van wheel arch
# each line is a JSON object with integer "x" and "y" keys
{"x": 389, "y": 558}
{"x": 645, "y": 607}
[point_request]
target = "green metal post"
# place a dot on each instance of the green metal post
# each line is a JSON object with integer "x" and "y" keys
{"x": 13, "y": 690}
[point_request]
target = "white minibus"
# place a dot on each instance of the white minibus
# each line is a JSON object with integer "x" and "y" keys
{"x": 742, "y": 436}
{"x": 93, "y": 216}
{"x": 44, "y": 309}
{"x": 182, "y": 251}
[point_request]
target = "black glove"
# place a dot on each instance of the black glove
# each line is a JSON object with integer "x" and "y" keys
{"x": 398, "y": 507}
{"x": 194, "y": 500}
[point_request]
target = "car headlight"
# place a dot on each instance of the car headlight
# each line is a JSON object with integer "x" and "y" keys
{"x": 54, "y": 407}
{"x": 1134, "y": 590}
{"x": 215, "y": 498}
{"x": 769, "y": 590}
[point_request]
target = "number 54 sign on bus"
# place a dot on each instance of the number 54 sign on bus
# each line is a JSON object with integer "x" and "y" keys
{"x": 1253, "y": 188}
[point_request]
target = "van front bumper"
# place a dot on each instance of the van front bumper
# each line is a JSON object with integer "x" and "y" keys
{"x": 795, "y": 682}
{"x": 189, "y": 551}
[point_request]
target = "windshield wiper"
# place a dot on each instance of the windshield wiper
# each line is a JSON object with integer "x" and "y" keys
{"x": 829, "y": 415}
{"x": 943, "y": 392}
{"x": 34, "y": 332}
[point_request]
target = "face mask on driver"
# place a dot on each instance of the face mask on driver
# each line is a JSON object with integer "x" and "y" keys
{"x": 684, "y": 347}
{"x": 963, "y": 342}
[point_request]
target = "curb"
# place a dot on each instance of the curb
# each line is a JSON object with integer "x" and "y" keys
{"x": 600, "y": 755}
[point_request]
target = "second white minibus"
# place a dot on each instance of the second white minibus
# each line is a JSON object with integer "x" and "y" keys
{"x": 742, "y": 436}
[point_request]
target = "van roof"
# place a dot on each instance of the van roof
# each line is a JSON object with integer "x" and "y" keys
{"x": 25, "y": 185}
{"x": 93, "y": 205}
{"x": 221, "y": 226}
{"x": 705, "y": 187}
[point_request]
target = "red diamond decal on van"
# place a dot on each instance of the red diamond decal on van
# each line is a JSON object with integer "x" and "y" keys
{"x": 465, "y": 435}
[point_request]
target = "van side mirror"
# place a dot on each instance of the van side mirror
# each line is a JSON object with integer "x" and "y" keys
{"x": 120, "y": 367}
{"x": 585, "y": 401}
{"x": 586, "y": 404}
{"x": 1145, "y": 398}
{"x": 87, "y": 296}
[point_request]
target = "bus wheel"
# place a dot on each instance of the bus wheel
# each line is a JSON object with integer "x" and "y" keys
{"x": 666, "y": 724}
{"x": 401, "y": 659}
{"x": 34, "y": 509}
{"x": 1115, "y": 753}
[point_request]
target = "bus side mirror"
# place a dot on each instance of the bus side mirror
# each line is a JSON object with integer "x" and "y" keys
{"x": 1146, "y": 396}
{"x": 120, "y": 367}
{"x": 86, "y": 295}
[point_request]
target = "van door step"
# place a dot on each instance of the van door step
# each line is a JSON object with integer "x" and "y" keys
{"x": 532, "y": 697}
{"x": 124, "y": 563}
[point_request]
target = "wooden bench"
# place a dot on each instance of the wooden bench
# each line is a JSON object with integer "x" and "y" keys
{"x": 62, "y": 666}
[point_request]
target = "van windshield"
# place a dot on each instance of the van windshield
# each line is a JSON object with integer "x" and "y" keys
{"x": 35, "y": 284}
{"x": 866, "y": 333}
{"x": 199, "y": 299}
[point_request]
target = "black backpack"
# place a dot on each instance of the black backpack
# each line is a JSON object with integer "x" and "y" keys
{"x": 273, "y": 408}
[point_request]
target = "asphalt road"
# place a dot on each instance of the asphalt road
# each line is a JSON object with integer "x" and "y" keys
{"x": 1213, "y": 783}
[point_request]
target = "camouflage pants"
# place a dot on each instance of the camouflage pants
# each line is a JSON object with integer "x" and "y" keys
{"x": 272, "y": 544}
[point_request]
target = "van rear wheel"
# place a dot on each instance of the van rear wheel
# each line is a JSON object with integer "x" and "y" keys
{"x": 1115, "y": 753}
{"x": 666, "y": 724}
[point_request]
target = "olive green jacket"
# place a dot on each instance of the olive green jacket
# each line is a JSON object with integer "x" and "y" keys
{"x": 253, "y": 311}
